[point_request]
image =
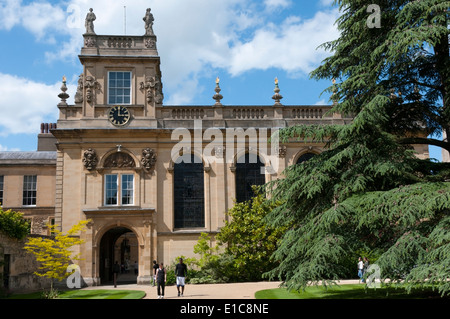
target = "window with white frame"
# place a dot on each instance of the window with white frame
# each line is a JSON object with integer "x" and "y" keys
{"x": 119, "y": 87}
{"x": 119, "y": 189}
{"x": 29, "y": 190}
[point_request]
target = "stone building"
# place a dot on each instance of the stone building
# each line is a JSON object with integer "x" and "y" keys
{"x": 150, "y": 177}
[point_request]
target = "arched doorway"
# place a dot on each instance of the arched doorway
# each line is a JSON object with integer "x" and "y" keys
{"x": 119, "y": 244}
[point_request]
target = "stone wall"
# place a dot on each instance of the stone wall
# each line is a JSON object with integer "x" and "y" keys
{"x": 21, "y": 267}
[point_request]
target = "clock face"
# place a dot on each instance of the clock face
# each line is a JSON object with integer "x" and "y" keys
{"x": 119, "y": 115}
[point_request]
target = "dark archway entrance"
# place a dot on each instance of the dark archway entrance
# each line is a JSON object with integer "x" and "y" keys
{"x": 119, "y": 244}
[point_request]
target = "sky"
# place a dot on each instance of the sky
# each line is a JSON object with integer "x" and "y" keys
{"x": 246, "y": 43}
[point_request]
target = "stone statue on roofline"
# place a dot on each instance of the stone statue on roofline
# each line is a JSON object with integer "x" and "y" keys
{"x": 148, "y": 22}
{"x": 89, "y": 22}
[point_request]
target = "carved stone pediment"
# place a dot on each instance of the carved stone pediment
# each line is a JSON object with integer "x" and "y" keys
{"x": 119, "y": 160}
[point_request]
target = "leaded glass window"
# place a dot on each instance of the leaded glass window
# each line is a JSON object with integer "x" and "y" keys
{"x": 1, "y": 189}
{"x": 248, "y": 173}
{"x": 189, "y": 198}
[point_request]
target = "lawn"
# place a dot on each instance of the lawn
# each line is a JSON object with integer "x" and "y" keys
{"x": 357, "y": 291}
{"x": 88, "y": 294}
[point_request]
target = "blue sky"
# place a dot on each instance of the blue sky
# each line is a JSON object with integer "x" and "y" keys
{"x": 247, "y": 43}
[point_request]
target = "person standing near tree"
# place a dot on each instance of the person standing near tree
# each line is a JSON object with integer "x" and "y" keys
{"x": 181, "y": 274}
{"x": 161, "y": 278}
{"x": 360, "y": 269}
{"x": 365, "y": 267}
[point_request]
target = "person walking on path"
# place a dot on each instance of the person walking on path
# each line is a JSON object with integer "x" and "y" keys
{"x": 116, "y": 271}
{"x": 366, "y": 266}
{"x": 181, "y": 274}
{"x": 155, "y": 269}
{"x": 360, "y": 269}
{"x": 161, "y": 277}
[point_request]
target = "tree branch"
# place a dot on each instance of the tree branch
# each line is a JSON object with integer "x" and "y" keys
{"x": 423, "y": 140}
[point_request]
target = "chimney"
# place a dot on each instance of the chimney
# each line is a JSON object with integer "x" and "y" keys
{"x": 46, "y": 140}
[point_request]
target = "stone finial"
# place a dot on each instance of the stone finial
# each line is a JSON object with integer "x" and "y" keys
{"x": 63, "y": 95}
{"x": 277, "y": 96}
{"x": 89, "y": 22}
{"x": 217, "y": 96}
{"x": 148, "y": 19}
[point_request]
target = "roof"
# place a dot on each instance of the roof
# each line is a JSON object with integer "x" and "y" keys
{"x": 33, "y": 157}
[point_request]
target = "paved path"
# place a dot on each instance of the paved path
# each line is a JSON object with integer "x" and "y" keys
{"x": 244, "y": 290}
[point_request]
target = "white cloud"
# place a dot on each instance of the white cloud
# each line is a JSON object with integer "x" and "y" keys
{"x": 6, "y": 148}
{"x": 9, "y": 14}
{"x": 327, "y": 3}
{"x": 25, "y": 104}
{"x": 273, "y": 4}
{"x": 39, "y": 18}
{"x": 291, "y": 46}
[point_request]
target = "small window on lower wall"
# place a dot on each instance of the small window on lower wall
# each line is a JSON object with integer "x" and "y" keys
{"x": 119, "y": 189}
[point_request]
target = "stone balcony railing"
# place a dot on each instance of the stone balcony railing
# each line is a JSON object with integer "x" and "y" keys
{"x": 246, "y": 116}
{"x": 169, "y": 117}
{"x": 124, "y": 45}
{"x": 245, "y": 112}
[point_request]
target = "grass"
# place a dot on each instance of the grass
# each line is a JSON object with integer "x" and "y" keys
{"x": 356, "y": 291}
{"x": 87, "y": 294}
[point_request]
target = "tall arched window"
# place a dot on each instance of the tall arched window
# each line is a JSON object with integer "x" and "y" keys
{"x": 305, "y": 157}
{"x": 189, "y": 198}
{"x": 248, "y": 173}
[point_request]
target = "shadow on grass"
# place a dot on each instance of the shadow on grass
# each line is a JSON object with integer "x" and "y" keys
{"x": 87, "y": 294}
{"x": 348, "y": 292}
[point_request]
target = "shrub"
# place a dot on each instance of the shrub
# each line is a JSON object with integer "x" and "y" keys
{"x": 13, "y": 224}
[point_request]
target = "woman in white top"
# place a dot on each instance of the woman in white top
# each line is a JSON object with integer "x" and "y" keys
{"x": 360, "y": 269}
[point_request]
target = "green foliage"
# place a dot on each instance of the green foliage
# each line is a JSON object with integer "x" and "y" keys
{"x": 368, "y": 191}
{"x": 204, "y": 249}
{"x": 249, "y": 239}
{"x": 54, "y": 254}
{"x": 50, "y": 294}
{"x": 13, "y": 224}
